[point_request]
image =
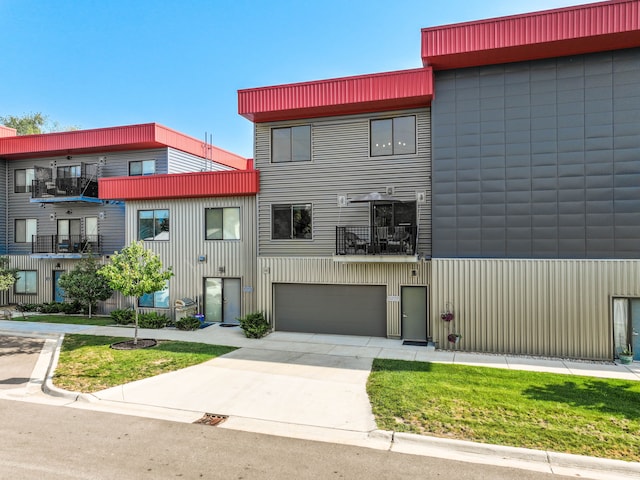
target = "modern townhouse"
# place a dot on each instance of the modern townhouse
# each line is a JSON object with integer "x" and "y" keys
{"x": 51, "y": 211}
{"x": 488, "y": 200}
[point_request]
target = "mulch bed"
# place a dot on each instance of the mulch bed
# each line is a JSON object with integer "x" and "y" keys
{"x": 129, "y": 345}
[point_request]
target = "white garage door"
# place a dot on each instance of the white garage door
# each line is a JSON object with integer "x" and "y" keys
{"x": 337, "y": 309}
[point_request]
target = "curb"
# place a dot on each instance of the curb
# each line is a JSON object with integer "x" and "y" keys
{"x": 47, "y": 386}
{"x": 529, "y": 459}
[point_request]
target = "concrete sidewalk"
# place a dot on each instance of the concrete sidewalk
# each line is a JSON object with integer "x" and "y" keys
{"x": 313, "y": 387}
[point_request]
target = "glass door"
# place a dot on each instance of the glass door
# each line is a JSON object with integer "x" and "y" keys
{"x": 222, "y": 299}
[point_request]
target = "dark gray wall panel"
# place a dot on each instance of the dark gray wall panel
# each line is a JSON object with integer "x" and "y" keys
{"x": 538, "y": 159}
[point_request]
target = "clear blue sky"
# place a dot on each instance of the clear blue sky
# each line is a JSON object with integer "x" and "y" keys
{"x": 102, "y": 63}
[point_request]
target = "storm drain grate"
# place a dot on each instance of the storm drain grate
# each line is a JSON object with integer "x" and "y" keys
{"x": 212, "y": 419}
{"x": 415, "y": 343}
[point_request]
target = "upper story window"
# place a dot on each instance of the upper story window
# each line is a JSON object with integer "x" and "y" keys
{"x": 393, "y": 136}
{"x": 153, "y": 225}
{"x": 142, "y": 167}
{"x": 23, "y": 179}
{"x": 72, "y": 171}
{"x": 27, "y": 282}
{"x": 222, "y": 223}
{"x": 26, "y": 229}
{"x": 291, "y": 144}
{"x": 291, "y": 222}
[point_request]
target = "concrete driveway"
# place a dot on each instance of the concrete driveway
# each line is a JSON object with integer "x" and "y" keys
{"x": 293, "y": 388}
{"x": 18, "y": 357}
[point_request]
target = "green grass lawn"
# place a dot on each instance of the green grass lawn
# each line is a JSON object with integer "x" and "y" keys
{"x": 70, "y": 319}
{"x": 572, "y": 414}
{"x": 87, "y": 364}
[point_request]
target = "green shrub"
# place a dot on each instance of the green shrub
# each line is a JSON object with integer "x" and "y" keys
{"x": 123, "y": 317}
{"x": 52, "y": 307}
{"x": 254, "y": 325}
{"x": 27, "y": 307}
{"x": 152, "y": 320}
{"x": 188, "y": 323}
{"x": 72, "y": 307}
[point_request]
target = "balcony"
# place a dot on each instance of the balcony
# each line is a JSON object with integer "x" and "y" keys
{"x": 356, "y": 244}
{"x": 74, "y": 189}
{"x": 65, "y": 246}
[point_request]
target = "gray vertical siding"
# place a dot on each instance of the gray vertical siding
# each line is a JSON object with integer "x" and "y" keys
{"x": 340, "y": 165}
{"x": 538, "y": 159}
{"x": 559, "y": 308}
{"x": 187, "y": 242}
{"x": 181, "y": 162}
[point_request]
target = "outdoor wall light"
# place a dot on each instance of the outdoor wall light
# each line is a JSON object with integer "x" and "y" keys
{"x": 202, "y": 258}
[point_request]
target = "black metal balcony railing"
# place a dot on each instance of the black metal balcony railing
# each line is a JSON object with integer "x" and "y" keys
{"x": 358, "y": 240}
{"x": 65, "y": 187}
{"x": 66, "y": 244}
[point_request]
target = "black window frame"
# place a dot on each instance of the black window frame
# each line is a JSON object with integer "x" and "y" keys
{"x": 15, "y": 230}
{"x": 292, "y": 222}
{"x": 27, "y": 187}
{"x": 222, "y": 237}
{"x": 168, "y": 224}
{"x": 141, "y": 162}
{"x": 288, "y": 156}
{"x": 393, "y": 150}
{"x": 15, "y": 285}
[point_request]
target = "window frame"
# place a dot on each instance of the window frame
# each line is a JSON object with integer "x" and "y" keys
{"x": 222, "y": 229}
{"x": 15, "y": 229}
{"x": 291, "y": 144}
{"x": 394, "y": 139}
{"x": 155, "y": 234}
{"x": 66, "y": 170}
{"x": 142, "y": 164}
{"x": 154, "y": 298}
{"x": 21, "y": 276}
{"x": 291, "y": 207}
{"x": 27, "y": 185}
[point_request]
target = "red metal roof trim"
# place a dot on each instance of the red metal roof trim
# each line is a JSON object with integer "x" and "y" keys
{"x": 180, "y": 185}
{"x": 7, "y": 132}
{"x": 566, "y": 31}
{"x": 105, "y": 140}
{"x": 338, "y": 96}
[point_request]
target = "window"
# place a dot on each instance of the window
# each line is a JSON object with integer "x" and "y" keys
{"x": 159, "y": 299}
{"x": 25, "y": 230}
{"x": 291, "y": 222}
{"x": 153, "y": 225}
{"x": 69, "y": 172}
{"x": 27, "y": 282}
{"x": 222, "y": 223}
{"x": 393, "y": 136}
{"x": 23, "y": 180}
{"x": 291, "y": 144}
{"x": 143, "y": 167}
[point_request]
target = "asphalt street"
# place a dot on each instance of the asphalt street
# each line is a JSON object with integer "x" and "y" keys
{"x": 47, "y": 442}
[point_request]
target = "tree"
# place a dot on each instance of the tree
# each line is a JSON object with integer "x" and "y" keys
{"x": 8, "y": 276}
{"x": 84, "y": 285}
{"x": 134, "y": 272}
{"x": 33, "y": 123}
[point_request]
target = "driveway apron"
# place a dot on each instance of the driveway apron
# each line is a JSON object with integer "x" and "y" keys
{"x": 280, "y": 386}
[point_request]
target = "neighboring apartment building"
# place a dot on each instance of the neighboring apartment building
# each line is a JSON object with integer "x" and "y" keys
{"x": 508, "y": 169}
{"x": 52, "y": 214}
{"x": 209, "y": 239}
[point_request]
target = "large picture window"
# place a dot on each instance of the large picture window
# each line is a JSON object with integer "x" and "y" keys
{"x": 23, "y": 179}
{"x": 27, "y": 282}
{"x": 73, "y": 171}
{"x": 291, "y": 222}
{"x": 393, "y": 136}
{"x": 222, "y": 223}
{"x": 153, "y": 225}
{"x": 25, "y": 230}
{"x": 142, "y": 167}
{"x": 291, "y": 144}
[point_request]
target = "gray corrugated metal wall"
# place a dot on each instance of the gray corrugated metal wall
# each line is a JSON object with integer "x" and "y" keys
{"x": 340, "y": 166}
{"x": 318, "y": 270}
{"x": 538, "y": 159}
{"x": 181, "y": 162}
{"x": 4, "y": 190}
{"x": 559, "y": 308}
{"x": 187, "y": 243}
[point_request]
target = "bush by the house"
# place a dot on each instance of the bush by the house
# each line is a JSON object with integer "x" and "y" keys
{"x": 123, "y": 317}
{"x": 51, "y": 307}
{"x": 188, "y": 323}
{"x": 152, "y": 320}
{"x": 254, "y": 325}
